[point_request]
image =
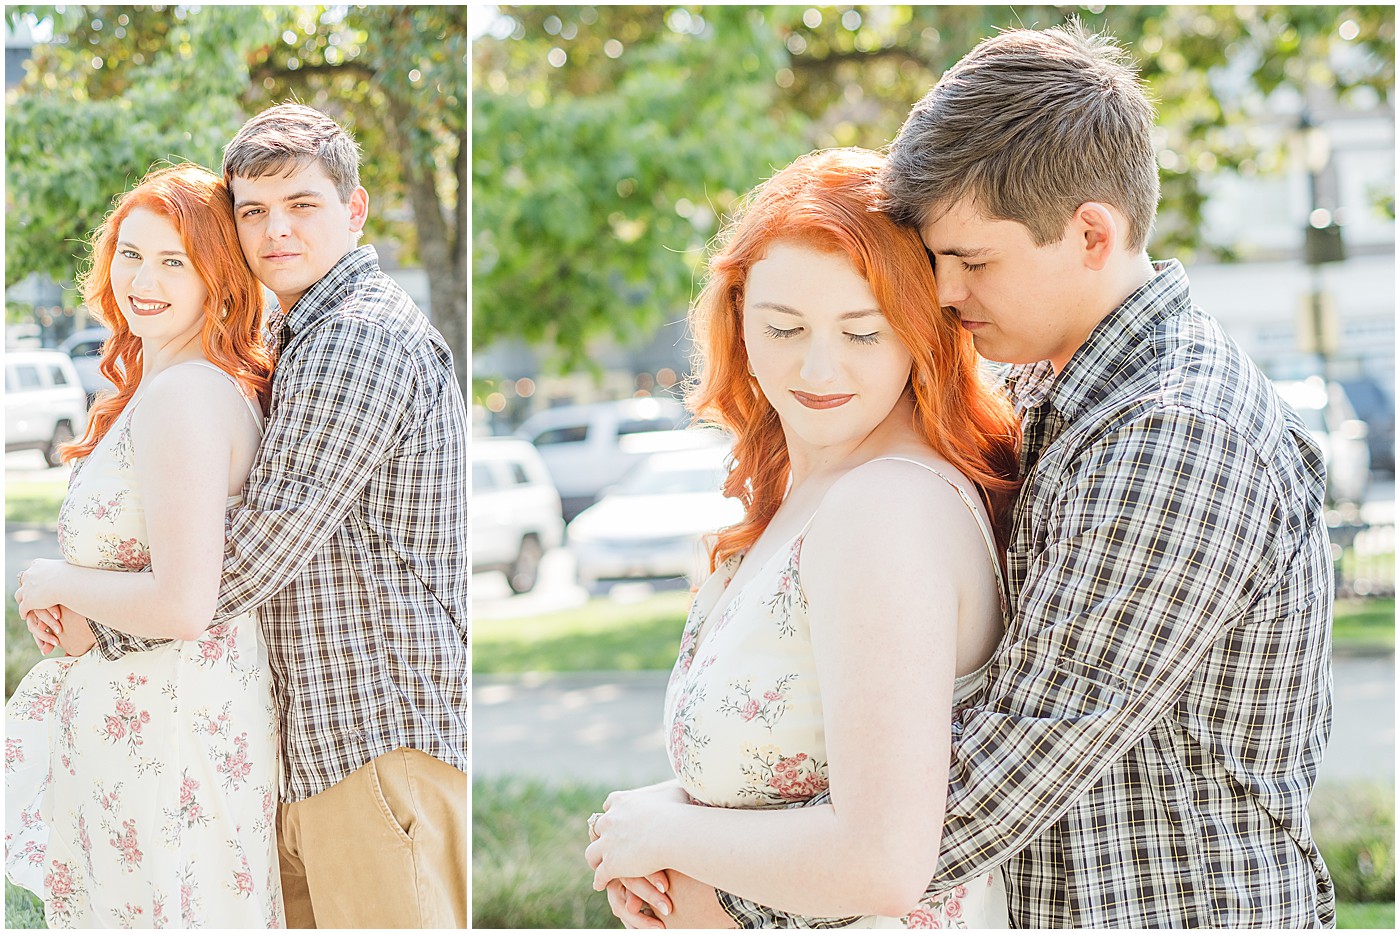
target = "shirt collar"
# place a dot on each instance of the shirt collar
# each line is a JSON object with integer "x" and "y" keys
{"x": 1108, "y": 349}
{"x": 327, "y": 292}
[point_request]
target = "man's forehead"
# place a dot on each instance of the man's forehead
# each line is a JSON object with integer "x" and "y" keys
{"x": 291, "y": 178}
{"x": 963, "y": 231}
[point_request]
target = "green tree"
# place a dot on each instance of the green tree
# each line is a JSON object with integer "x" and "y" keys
{"x": 572, "y": 108}
{"x": 121, "y": 88}
{"x": 598, "y": 175}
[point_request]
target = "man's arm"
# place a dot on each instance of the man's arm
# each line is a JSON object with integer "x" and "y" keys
{"x": 1155, "y": 545}
{"x": 343, "y": 404}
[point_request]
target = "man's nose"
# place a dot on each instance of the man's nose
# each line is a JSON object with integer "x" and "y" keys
{"x": 951, "y": 282}
{"x": 278, "y": 225}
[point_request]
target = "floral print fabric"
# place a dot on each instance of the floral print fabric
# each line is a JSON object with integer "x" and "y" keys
{"x": 744, "y": 717}
{"x": 141, "y": 793}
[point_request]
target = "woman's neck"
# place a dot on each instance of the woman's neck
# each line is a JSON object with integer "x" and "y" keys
{"x": 157, "y": 357}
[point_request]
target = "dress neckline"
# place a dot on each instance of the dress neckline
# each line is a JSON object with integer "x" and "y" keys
{"x": 703, "y": 629}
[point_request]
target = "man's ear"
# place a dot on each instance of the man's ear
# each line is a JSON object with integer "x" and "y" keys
{"x": 359, "y": 209}
{"x": 1099, "y": 230}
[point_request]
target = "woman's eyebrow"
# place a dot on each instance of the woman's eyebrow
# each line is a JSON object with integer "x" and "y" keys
{"x": 844, "y": 316}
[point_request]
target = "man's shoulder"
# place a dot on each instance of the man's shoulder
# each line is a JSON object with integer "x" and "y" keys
{"x": 1186, "y": 363}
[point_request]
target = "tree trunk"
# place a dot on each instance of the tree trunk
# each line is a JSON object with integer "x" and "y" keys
{"x": 439, "y": 249}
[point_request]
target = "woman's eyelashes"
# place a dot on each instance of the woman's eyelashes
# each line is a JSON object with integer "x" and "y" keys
{"x": 783, "y": 333}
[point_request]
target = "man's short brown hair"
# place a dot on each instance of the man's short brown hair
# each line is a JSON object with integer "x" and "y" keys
{"x": 1028, "y": 126}
{"x": 288, "y": 136}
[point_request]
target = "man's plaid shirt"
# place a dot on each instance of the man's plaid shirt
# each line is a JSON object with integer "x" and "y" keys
{"x": 1158, "y": 708}
{"x": 351, "y": 542}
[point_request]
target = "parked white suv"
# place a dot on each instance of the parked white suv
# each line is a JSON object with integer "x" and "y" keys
{"x": 589, "y": 447}
{"x": 515, "y": 510}
{"x": 45, "y": 405}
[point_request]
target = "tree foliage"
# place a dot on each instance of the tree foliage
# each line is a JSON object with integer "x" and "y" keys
{"x": 122, "y": 88}
{"x": 608, "y": 141}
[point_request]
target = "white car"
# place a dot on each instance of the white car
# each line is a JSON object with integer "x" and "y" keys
{"x": 515, "y": 511}
{"x": 1332, "y": 422}
{"x": 589, "y": 447}
{"x": 657, "y": 521}
{"x": 45, "y": 405}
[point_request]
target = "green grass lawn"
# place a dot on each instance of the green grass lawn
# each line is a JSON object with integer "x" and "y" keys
{"x": 1364, "y": 625}
{"x": 606, "y": 635}
{"x": 602, "y": 635}
{"x": 528, "y": 869}
{"x": 34, "y": 503}
{"x": 22, "y": 910}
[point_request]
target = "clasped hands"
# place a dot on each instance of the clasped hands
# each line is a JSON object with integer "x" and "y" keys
{"x": 50, "y": 623}
{"x": 625, "y": 865}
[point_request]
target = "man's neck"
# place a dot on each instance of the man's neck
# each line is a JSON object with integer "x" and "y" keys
{"x": 1118, "y": 284}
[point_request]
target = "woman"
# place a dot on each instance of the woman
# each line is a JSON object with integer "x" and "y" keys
{"x": 140, "y": 792}
{"x": 857, "y": 604}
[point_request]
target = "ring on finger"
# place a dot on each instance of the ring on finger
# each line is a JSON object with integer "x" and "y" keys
{"x": 592, "y": 822}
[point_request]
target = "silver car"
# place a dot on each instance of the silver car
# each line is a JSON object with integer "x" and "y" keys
{"x": 655, "y": 523}
{"x": 1332, "y": 422}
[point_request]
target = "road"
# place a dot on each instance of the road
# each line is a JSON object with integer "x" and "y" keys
{"x": 605, "y": 728}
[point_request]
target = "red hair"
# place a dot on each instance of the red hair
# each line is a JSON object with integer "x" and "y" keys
{"x": 197, "y": 202}
{"x": 830, "y": 200}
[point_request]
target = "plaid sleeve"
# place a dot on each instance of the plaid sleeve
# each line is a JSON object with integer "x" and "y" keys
{"x": 747, "y": 914}
{"x": 344, "y": 402}
{"x": 114, "y": 643}
{"x": 1159, "y": 537}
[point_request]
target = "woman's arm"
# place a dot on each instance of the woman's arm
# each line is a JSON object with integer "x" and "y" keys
{"x": 186, "y": 433}
{"x": 885, "y": 567}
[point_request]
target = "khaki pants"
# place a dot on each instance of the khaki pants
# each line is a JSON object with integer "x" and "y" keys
{"x": 384, "y": 848}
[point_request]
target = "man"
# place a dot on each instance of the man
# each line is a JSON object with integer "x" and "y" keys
{"x": 351, "y": 543}
{"x": 1159, "y": 705}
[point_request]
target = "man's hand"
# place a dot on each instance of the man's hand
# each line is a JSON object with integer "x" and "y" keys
{"x": 694, "y": 905}
{"x": 75, "y": 635}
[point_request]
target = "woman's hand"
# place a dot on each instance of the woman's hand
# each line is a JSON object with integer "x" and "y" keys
{"x": 43, "y": 625}
{"x": 636, "y": 902}
{"x": 40, "y": 585}
{"x": 630, "y": 831}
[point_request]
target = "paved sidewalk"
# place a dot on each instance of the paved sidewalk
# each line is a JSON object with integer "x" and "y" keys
{"x": 605, "y": 727}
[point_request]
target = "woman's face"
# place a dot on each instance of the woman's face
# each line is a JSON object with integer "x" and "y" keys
{"x": 824, "y": 355}
{"x": 160, "y": 294}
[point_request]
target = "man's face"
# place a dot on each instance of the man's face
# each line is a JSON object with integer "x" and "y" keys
{"x": 294, "y": 227}
{"x": 1021, "y": 302}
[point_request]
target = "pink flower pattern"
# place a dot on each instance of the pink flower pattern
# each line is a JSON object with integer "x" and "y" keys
{"x": 14, "y": 753}
{"x": 88, "y": 735}
{"x": 753, "y": 699}
{"x": 767, "y": 708}
{"x": 788, "y": 600}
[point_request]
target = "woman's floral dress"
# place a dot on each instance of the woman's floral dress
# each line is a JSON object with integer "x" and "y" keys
{"x": 141, "y": 792}
{"x": 744, "y": 714}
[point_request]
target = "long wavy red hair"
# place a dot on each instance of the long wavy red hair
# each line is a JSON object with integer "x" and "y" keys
{"x": 830, "y": 200}
{"x": 197, "y": 202}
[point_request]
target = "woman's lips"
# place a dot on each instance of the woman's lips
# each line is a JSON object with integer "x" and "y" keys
{"x": 822, "y": 402}
{"x": 145, "y": 308}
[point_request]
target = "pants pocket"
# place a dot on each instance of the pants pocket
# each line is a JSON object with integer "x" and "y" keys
{"x": 388, "y": 776}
